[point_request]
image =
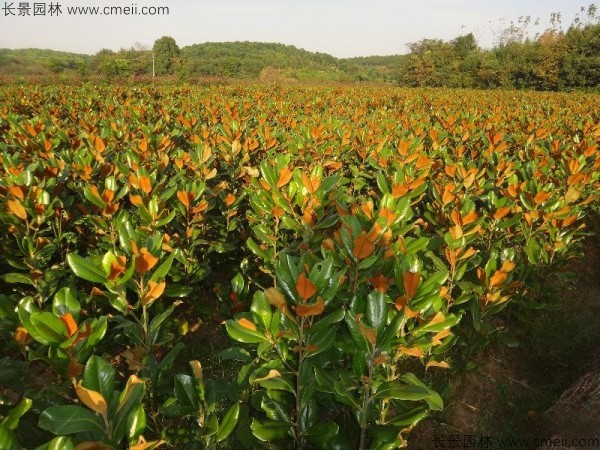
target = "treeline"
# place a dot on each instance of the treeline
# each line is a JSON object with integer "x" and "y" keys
{"x": 553, "y": 60}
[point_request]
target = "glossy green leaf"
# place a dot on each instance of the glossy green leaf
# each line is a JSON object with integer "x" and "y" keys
{"x": 49, "y": 327}
{"x": 70, "y": 419}
{"x": 84, "y": 268}
{"x": 136, "y": 424}
{"x": 269, "y": 430}
{"x": 16, "y": 412}
{"x": 99, "y": 376}
{"x": 228, "y": 423}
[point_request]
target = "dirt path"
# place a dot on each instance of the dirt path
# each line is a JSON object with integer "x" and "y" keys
{"x": 548, "y": 387}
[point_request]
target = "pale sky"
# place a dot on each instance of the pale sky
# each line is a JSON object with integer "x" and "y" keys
{"x": 341, "y": 28}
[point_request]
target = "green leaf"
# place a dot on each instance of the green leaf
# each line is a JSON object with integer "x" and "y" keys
{"x": 12, "y": 419}
{"x": 261, "y": 309}
{"x": 390, "y": 331}
{"x": 17, "y": 278}
{"x": 322, "y": 433}
{"x": 235, "y": 354}
{"x": 382, "y": 183}
{"x": 164, "y": 268}
{"x": 228, "y": 423}
{"x": 65, "y": 301}
{"x": 269, "y": 430}
{"x": 359, "y": 339}
{"x": 255, "y": 248}
{"x": 70, "y": 419}
{"x": 136, "y": 424}
{"x": 328, "y": 320}
{"x": 322, "y": 339}
{"x": 129, "y": 400}
{"x": 49, "y": 327}
{"x": 99, "y": 376}
{"x": 156, "y": 323}
{"x": 93, "y": 198}
{"x": 84, "y": 268}
{"x": 8, "y": 441}
{"x": 59, "y": 443}
{"x": 242, "y": 334}
{"x": 395, "y": 390}
{"x": 377, "y": 310}
{"x": 533, "y": 250}
{"x": 177, "y": 291}
{"x": 185, "y": 392}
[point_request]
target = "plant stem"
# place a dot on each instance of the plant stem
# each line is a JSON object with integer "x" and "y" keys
{"x": 299, "y": 430}
{"x": 365, "y": 406}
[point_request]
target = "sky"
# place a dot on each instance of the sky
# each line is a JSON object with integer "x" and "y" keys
{"x": 341, "y": 28}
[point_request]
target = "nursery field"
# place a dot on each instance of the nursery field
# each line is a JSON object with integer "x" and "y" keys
{"x": 272, "y": 267}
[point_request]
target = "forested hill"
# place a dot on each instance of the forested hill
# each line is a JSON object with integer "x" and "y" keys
{"x": 553, "y": 60}
{"x": 240, "y": 60}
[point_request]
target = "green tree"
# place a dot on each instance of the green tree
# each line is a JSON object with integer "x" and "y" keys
{"x": 166, "y": 55}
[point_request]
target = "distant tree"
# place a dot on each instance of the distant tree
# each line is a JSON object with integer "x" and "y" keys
{"x": 166, "y": 55}
{"x": 464, "y": 45}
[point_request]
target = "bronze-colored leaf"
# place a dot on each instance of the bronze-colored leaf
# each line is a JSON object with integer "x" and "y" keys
{"x": 362, "y": 246}
{"x": 305, "y": 288}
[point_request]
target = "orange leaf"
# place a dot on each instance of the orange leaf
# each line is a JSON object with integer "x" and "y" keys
{"x": 69, "y": 323}
{"x": 197, "y": 369}
{"x": 143, "y": 445}
{"x": 411, "y": 282}
{"x": 305, "y": 288}
{"x": 16, "y": 191}
{"x": 498, "y": 278}
{"x": 470, "y": 252}
{"x": 380, "y": 283}
{"x": 470, "y": 217}
{"x": 311, "y": 310}
{"x": 501, "y": 212}
{"x": 447, "y": 196}
{"x": 145, "y": 184}
{"x": 508, "y": 266}
{"x": 144, "y": 261}
{"x": 243, "y": 322}
{"x": 136, "y": 200}
{"x": 375, "y": 232}
{"x": 367, "y": 208}
{"x": 22, "y": 337}
{"x": 285, "y": 175}
{"x": 117, "y": 268}
{"x": 440, "y": 364}
{"x": 230, "y": 199}
{"x": 363, "y": 246}
{"x": 185, "y": 198}
{"x": 369, "y": 333}
{"x": 99, "y": 144}
{"x": 15, "y": 207}
{"x": 275, "y": 297}
{"x": 456, "y": 232}
{"x": 541, "y": 197}
{"x": 311, "y": 184}
{"x": 572, "y": 195}
{"x": 411, "y": 351}
{"x": 328, "y": 244}
{"x": 155, "y": 290}
{"x": 389, "y": 216}
{"x": 272, "y": 374}
{"x": 91, "y": 399}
